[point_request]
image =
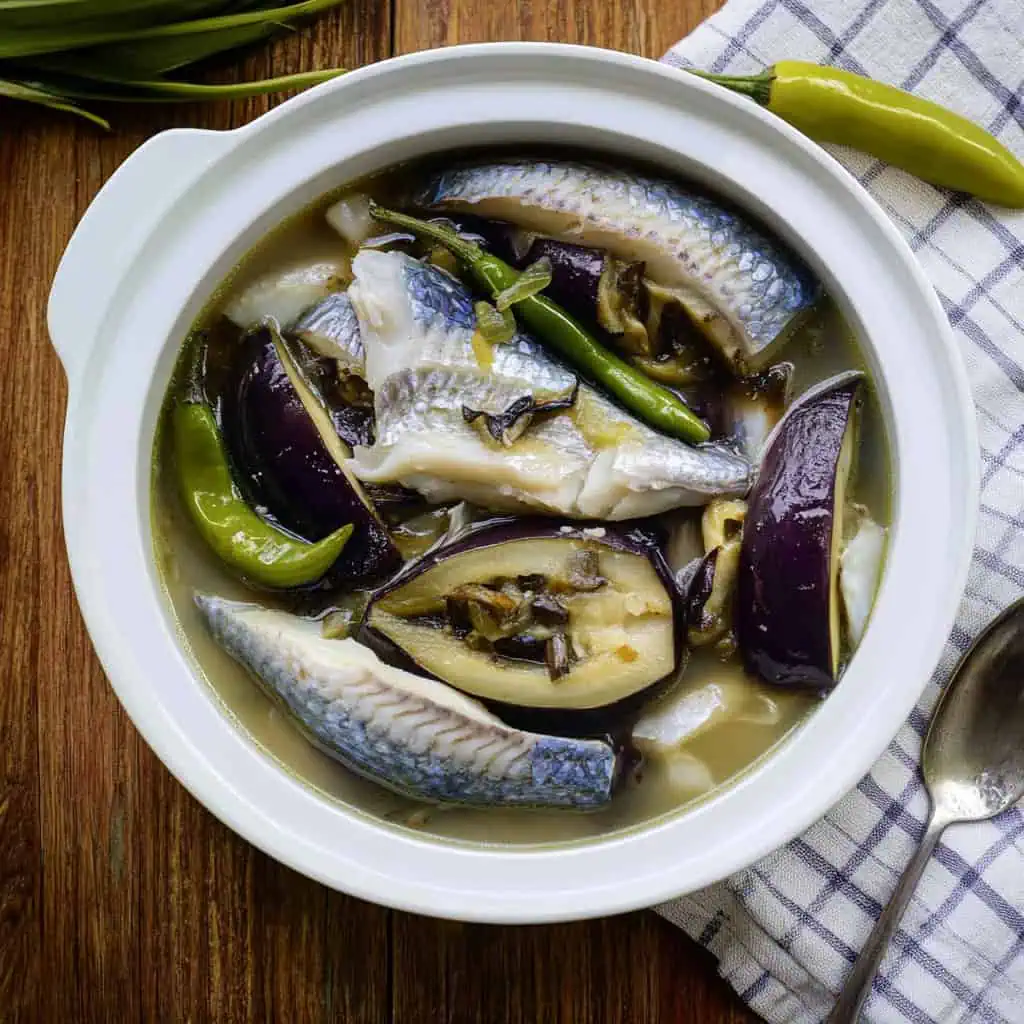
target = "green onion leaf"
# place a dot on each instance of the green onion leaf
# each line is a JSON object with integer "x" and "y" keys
{"x": 57, "y": 52}
{"x": 123, "y": 14}
{"x": 60, "y": 34}
{"x": 150, "y": 58}
{"x": 31, "y": 94}
{"x": 495, "y": 326}
{"x": 166, "y": 91}
{"x": 535, "y": 278}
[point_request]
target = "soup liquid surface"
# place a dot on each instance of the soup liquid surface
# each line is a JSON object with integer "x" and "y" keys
{"x": 733, "y": 741}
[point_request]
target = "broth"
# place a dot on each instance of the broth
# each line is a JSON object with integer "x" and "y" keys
{"x": 715, "y": 756}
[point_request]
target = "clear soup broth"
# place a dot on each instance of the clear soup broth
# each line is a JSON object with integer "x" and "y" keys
{"x": 726, "y": 702}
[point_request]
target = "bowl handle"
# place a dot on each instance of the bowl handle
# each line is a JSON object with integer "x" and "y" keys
{"x": 114, "y": 227}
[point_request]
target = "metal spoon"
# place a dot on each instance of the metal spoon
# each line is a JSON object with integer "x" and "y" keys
{"x": 973, "y": 766}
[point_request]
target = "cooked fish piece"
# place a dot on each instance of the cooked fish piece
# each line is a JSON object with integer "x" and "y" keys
{"x": 687, "y": 712}
{"x": 426, "y": 365}
{"x": 743, "y": 291}
{"x": 331, "y": 328}
{"x": 413, "y": 735}
{"x": 283, "y": 294}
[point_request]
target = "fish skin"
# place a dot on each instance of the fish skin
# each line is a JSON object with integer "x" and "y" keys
{"x": 417, "y": 324}
{"x": 752, "y": 290}
{"x": 331, "y": 328}
{"x": 415, "y": 736}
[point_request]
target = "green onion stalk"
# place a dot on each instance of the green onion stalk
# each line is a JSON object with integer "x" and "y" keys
{"x": 64, "y": 54}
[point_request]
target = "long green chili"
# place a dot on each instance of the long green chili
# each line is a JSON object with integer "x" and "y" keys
{"x": 555, "y": 327}
{"x": 238, "y": 536}
{"x": 921, "y": 137}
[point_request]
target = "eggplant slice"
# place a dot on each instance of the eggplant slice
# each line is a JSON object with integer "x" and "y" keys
{"x": 788, "y": 613}
{"x": 711, "y": 595}
{"x": 287, "y": 445}
{"x": 536, "y": 615}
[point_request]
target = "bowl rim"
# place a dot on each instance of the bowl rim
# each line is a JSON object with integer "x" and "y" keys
{"x": 561, "y": 892}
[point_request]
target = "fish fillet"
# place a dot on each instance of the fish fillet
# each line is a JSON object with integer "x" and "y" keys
{"x": 415, "y": 736}
{"x": 743, "y": 290}
{"x": 595, "y": 460}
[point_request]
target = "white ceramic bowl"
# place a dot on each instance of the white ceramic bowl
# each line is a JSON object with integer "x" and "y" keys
{"x": 181, "y": 212}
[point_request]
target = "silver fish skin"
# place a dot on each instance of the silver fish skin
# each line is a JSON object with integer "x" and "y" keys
{"x": 415, "y": 736}
{"x": 331, "y": 328}
{"x": 593, "y": 461}
{"x": 744, "y": 291}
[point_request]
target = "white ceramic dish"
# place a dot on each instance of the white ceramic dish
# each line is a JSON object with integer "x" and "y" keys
{"x": 179, "y": 214}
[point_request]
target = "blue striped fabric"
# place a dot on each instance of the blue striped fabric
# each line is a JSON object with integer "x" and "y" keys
{"x": 786, "y": 930}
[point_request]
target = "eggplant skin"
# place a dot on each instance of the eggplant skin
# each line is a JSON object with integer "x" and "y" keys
{"x": 783, "y": 586}
{"x": 576, "y": 270}
{"x": 575, "y": 275}
{"x": 285, "y": 466}
{"x": 610, "y": 721}
{"x": 504, "y": 240}
{"x": 600, "y": 720}
{"x": 700, "y": 588}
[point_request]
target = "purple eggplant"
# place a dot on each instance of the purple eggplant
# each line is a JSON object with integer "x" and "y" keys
{"x": 346, "y": 399}
{"x": 711, "y": 597}
{"x": 788, "y": 603}
{"x": 537, "y": 618}
{"x": 286, "y": 447}
{"x": 711, "y": 591}
{"x": 598, "y": 289}
{"x": 698, "y": 595}
{"x": 505, "y": 240}
{"x": 589, "y": 283}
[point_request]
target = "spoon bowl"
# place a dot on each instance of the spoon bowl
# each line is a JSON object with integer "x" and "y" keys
{"x": 973, "y": 768}
{"x": 973, "y": 758}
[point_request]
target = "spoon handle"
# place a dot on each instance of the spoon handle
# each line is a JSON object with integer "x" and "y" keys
{"x": 858, "y": 983}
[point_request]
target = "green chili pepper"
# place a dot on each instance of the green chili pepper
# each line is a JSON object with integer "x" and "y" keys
{"x": 240, "y": 538}
{"x": 639, "y": 394}
{"x": 914, "y": 134}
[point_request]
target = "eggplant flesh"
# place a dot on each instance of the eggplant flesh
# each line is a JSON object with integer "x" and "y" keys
{"x": 317, "y": 376}
{"x": 722, "y": 522}
{"x": 788, "y": 611}
{"x": 535, "y": 616}
{"x": 859, "y": 572}
{"x": 288, "y": 449}
{"x": 711, "y": 594}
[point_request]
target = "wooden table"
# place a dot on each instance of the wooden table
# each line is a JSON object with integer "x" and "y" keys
{"x": 121, "y": 899}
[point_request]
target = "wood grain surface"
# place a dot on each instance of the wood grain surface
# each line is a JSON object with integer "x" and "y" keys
{"x": 121, "y": 899}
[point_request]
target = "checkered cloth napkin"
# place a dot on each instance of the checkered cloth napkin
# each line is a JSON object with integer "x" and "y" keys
{"x": 786, "y": 930}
